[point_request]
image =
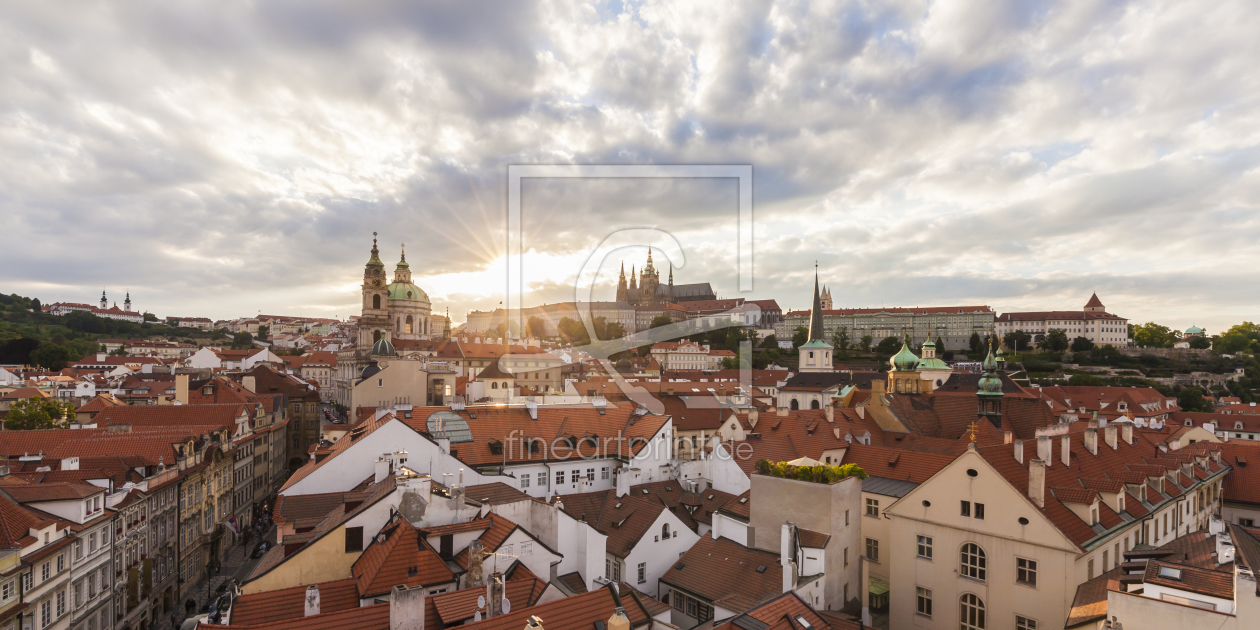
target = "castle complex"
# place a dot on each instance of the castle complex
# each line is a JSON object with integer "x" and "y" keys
{"x": 648, "y": 290}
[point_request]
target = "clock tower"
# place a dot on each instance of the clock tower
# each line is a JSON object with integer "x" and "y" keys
{"x": 374, "y": 321}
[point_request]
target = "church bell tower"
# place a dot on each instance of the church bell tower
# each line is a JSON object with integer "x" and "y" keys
{"x": 374, "y": 321}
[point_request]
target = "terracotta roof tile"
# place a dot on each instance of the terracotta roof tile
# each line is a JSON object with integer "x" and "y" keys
{"x": 375, "y": 617}
{"x": 290, "y": 603}
{"x": 718, "y": 569}
{"x": 398, "y": 555}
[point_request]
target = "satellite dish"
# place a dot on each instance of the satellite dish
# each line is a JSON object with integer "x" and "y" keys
{"x": 481, "y": 601}
{"x": 507, "y": 606}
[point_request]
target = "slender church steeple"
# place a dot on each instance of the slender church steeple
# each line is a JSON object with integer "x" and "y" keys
{"x": 816, "y": 332}
{"x": 815, "y": 354}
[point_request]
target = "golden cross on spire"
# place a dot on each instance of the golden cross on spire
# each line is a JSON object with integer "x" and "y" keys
{"x": 972, "y": 431}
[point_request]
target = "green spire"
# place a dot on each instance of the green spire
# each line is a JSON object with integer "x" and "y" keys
{"x": 816, "y": 332}
{"x": 989, "y": 384}
{"x": 375, "y": 260}
{"x": 905, "y": 360}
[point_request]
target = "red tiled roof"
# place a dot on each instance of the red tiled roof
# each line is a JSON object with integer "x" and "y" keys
{"x": 375, "y": 617}
{"x": 290, "y": 603}
{"x": 398, "y": 555}
{"x": 719, "y": 570}
{"x": 578, "y": 612}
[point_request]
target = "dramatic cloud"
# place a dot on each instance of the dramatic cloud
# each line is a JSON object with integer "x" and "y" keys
{"x": 222, "y": 158}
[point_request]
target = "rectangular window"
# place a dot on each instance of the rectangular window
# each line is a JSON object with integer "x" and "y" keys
{"x": 1104, "y": 562}
{"x": 45, "y": 571}
{"x": 1024, "y": 623}
{"x": 6, "y": 592}
{"x": 872, "y": 507}
{"x": 846, "y": 557}
{"x": 603, "y": 473}
{"x": 1091, "y": 569}
{"x": 925, "y": 547}
{"x": 574, "y": 475}
{"x": 45, "y": 613}
{"x": 590, "y": 474}
{"x": 354, "y": 539}
{"x": 642, "y": 572}
{"x": 872, "y": 550}
{"x": 559, "y": 477}
{"x": 525, "y": 480}
{"x": 966, "y": 508}
{"x": 980, "y": 511}
{"x": 61, "y": 602}
{"x": 1026, "y": 571}
{"x": 61, "y": 562}
{"x": 542, "y": 479}
{"x": 924, "y": 600}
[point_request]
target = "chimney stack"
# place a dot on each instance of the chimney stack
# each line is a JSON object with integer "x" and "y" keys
{"x": 1109, "y": 434}
{"x": 1065, "y": 450}
{"x": 181, "y": 389}
{"x": 1019, "y": 452}
{"x": 1037, "y": 482}
{"x": 1043, "y": 448}
{"x": 475, "y": 559}
{"x": 312, "y": 600}
{"x": 830, "y": 413}
{"x": 1091, "y": 440}
{"x": 781, "y": 411}
{"x": 1128, "y": 433}
{"x": 406, "y": 608}
{"x": 618, "y": 620}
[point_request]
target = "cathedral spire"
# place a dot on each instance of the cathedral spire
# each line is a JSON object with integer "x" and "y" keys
{"x": 671, "y": 273}
{"x": 816, "y": 332}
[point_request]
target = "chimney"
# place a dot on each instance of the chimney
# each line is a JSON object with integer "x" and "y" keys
{"x": 1019, "y": 452}
{"x": 780, "y": 411}
{"x": 1091, "y": 440}
{"x": 618, "y": 620}
{"x": 100, "y": 357}
{"x": 534, "y": 623}
{"x": 1109, "y": 434}
{"x": 1128, "y": 433}
{"x": 181, "y": 389}
{"x": 1007, "y": 436}
{"x": 752, "y": 417}
{"x": 1037, "y": 482}
{"x": 312, "y": 600}
{"x": 494, "y": 595}
{"x": 1043, "y": 448}
{"x": 830, "y": 413}
{"x": 248, "y": 382}
{"x": 382, "y": 468}
{"x": 406, "y": 608}
{"x": 1065, "y": 450}
{"x": 836, "y": 432}
{"x": 475, "y": 559}
{"x": 787, "y": 558}
{"x": 1176, "y": 443}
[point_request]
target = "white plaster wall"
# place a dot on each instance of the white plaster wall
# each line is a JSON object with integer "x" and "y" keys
{"x": 658, "y": 555}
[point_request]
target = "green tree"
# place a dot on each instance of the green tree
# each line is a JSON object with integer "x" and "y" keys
{"x": 1017, "y": 340}
{"x": 800, "y": 336}
{"x": 1200, "y": 343}
{"x": 840, "y": 340}
{"x": 615, "y": 330}
{"x": 149, "y": 317}
{"x": 1152, "y": 335}
{"x": 18, "y": 351}
{"x": 264, "y": 331}
{"x": 1056, "y": 340}
{"x": 1231, "y": 342}
{"x": 174, "y": 323}
{"x": 36, "y": 306}
{"x": 976, "y": 345}
{"x": 38, "y": 413}
{"x": 537, "y": 327}
{"x": 660, "y": 320}
{"x": 889, "y": 345}
{"x": 242, "y": 340}
{"x": 51, "y": 356}
{"x": 769, "y": 342}
{"x": 940, "y": 344}
{"x": 1082, "y": 344}
{"x": 1191, "y": 399}
{"x": 572, "y": 331}
{"x": 1086, "y": 380}
{"x": 865, "y": 343}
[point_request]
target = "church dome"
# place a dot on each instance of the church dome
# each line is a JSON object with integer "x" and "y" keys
{"x": 369, "y": 370}
{"x": 905, "y": 360}
{"x": 1194, "y": 330}
{"x": 929, "y": 360}
{"x": 989, "y": 384}
{"x": 383, "y": 348}
{"x": 407, "y": 291}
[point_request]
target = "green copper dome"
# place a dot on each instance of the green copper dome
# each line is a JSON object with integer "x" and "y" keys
{"x": 407, "y": 291}
{"x": 905, "y": 360}
{"x": 1194, "y": 330}
{"x": 989, "y": 384}
{"x": 930, "y": 362}
{"x": 383, "y": 348}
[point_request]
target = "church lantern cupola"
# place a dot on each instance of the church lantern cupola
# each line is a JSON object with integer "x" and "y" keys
{"x": 989, "y": 390}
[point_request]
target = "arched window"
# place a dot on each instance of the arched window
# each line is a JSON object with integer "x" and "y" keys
{"x": 409, "y": 322}
{"x": 813, "y": 404}
{"x": 376, "y": 301}
{"x": 795, "y": 405}
{"x": 397, "y": 323}
{"x": 971, "y": 613}
{"x": 494, "y": 385}
{"x": 971, "y": 562}
{"x": 664, "y": 531}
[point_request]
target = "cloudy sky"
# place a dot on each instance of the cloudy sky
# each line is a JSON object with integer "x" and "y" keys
{"x": 228, "y": 157}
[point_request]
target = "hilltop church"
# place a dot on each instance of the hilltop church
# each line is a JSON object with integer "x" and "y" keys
{"x": 647, "y": 290}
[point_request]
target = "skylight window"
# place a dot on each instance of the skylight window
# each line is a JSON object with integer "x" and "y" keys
{"x": 1171, "y": 573}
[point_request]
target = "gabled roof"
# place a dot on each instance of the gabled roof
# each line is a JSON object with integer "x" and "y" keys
{"x": 625, "y": 520}
{"x": 456, "y": 607}
{"x": 782, "y": 613}
{"x": 290, "y": 603}
{"x": 692, "y": 508}
{"x": 375, "y": 617}
{"x": 398, "y": 555}
{"x": 578, "y": 612}
{"x": 726, "y": 573}
{"x": 16, "y": 523}
{"x": 38, "y": 493}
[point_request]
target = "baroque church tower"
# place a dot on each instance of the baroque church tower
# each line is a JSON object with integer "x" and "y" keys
{"x": 649, "y": 280}
{"x": 623, "y": 291}
{"x": 374, "y": 322}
